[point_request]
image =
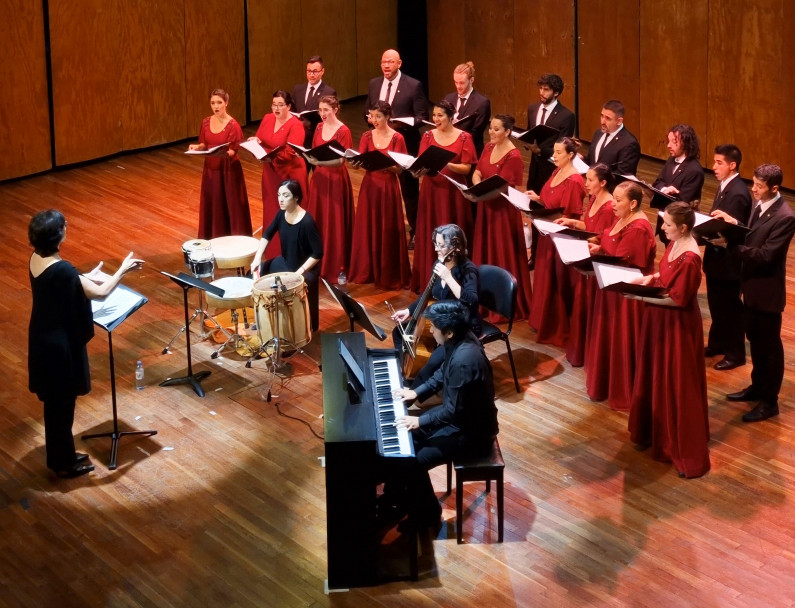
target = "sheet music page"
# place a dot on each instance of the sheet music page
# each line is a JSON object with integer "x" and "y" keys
{"x": 580, "y": 165}
{"x": 404, "y": 160}
{"x": 406, "y": 120}
{"x": 571, "y": 250}
{"x": 701, "y": 218}
{"x": 117, "y": 306}
{"x": 457, "y": 184}
{"x": 253, "y": 146}
{"x": 517, "y": 198}
{"x": 607, "y": 274}
{"x": 208, "y": 151}
{"x": 546, "y": 227}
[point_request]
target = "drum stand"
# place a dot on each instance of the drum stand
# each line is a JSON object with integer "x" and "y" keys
{"x": 204, "y": 316}
{"x": 277, "y": 366}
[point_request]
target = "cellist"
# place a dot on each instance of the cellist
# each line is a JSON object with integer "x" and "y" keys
{"x": 453, "y": 277}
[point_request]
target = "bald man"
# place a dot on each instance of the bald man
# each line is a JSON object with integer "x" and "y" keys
{"x": 407, "y": 99}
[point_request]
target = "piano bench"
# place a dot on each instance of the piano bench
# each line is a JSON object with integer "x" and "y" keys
{"x": 486, "y": 468}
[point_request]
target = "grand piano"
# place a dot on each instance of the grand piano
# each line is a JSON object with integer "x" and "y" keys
{"x": 359, "y": 414}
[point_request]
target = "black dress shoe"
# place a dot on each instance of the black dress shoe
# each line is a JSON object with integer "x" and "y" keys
{"x": 76, "y": 470}
{"x": 80, "y": 457}
{"x": 726, "y": 364}
{"x": 711, "y": 352}
{"x": 762, "y": 411}
{"x": 747, "y": 394}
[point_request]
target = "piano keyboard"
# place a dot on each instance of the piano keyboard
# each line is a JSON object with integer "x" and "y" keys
{"x": 393, "y": 441}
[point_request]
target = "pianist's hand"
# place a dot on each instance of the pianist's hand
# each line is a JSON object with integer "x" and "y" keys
{"x": 406, "y": 394}
{"x": 408, "y": 422}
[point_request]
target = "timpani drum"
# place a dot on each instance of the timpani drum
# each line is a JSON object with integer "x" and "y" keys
{"x": 234, "y": 251}
{"x": 237, "y": 293}
{"x": 193, "y": 245}
{"x": 292, "y": 306}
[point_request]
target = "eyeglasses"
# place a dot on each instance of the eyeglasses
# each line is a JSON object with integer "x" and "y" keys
{"x": 279, "y": 105}
{"x": 314, "y": 71}
{"x": 440, "y": 246}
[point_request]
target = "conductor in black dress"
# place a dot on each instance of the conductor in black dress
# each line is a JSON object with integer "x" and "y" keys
{"x": 722, "y": 267}
{"x": 613, "y": 144}
{"x": 547, "y": 111}
{"x": 301, "y": 245}
{"x": 467, "y": 101}
{"x": 306, "y": 96}
{"x": 404, "y": 94}
{"x": 763, "y": 280}
{"x": 61, "y": 324}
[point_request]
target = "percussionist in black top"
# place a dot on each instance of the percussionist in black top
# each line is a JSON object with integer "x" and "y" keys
{"x": 456, "y": 278}
{"x": 300, "y": 243}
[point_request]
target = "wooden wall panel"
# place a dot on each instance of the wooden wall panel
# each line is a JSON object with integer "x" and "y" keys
{"x": 85, "y": 79}
{"x": 274, "y": 48}
{"x": 152, "y": 73}
{"x": 446, "y": 47}
{"x": 544, "y": 31}
{"x": 673, "y": 53}
{"x": 376, "y": 31}
{"x": 331, "y": 34}
{"x": 215, "y": 57}
{"x": 750, "y": 98}
{"x": 609, "y": 61}
{"x": 25, "y": 129}
{"x": 489, "y": 32}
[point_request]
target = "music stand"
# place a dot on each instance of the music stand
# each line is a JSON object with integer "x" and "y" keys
{"x": 356, "y": 312}
{"x": 109, "y": 314}
{"x": 186, "y": 282}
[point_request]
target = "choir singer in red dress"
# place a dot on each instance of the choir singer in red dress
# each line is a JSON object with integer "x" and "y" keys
{"x": 669, "y": 400}
{"x": 276, "y": 129}
{"x": 223, "y": 206}
{"x": 611, "y": 346}
{"x": 380, "y": 254}
{"x": 499, "y": 234}
{"x": 330, "y": 194}
{"x": 553, "y": 290}
{"x": 599, "y": 184}
{"x": 440, "y": 201}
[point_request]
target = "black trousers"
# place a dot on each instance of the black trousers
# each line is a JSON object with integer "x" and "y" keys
{"x": 767, "y": 353}
{"x": 726, "y": 333}
{"x": 59, "y": 415}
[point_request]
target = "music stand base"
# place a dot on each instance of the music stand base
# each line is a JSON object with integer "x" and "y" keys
{"x": 115, "y": 437}
{"x": 192, "y": 379}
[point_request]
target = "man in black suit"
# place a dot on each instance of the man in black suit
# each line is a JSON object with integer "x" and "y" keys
{"x": 763, "y": 280}
{"x": 612, "y": 144}
{"x": 407, "y": 99}
{"x": 467, "y": 101}
{"x": 682, "y": 175}
{"x": 548, "y": 111}
{"x": 722, "y": 269}
{"x": 306, "y": 96}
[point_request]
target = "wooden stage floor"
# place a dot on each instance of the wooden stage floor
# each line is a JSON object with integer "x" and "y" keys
{"x": 225, "y": 506}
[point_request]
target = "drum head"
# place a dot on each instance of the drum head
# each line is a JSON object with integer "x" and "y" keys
{"x": 202, "y": 255}
{"x": 195, "y": 245}
{"x": 291, "y": 280}
{"x": 234, "y": 287}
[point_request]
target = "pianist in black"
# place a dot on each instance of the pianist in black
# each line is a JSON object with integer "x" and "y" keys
{"x": 453, "y": 276}
{"x": 466, "y": 421}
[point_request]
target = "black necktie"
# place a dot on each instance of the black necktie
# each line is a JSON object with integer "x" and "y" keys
{"x": 388, "y": 91}
{"x": 755, "y": 215}
{"x": 311, "y": 92}
{"x": 461, "y": 102}
{"x": 543, "y": 116}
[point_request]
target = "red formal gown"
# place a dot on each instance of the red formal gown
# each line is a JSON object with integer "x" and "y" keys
{"x": 223, "y": 206}
{"x": 553, "y": 289}
{"x": 440, "y": 203}
{"x": 285, "y": 164}
{"x": 380, "y": 254}
{"x": 669, "y": 401}
{"x": 585, "y": 290}
{"x": 498, "y": 237}
{"x": 331, "y": 204}
{"x": 612, "y": 337}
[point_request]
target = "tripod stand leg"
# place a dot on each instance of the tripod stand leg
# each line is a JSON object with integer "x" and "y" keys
{"x": 192, "y": 379}
{"x": 167, "y": 347}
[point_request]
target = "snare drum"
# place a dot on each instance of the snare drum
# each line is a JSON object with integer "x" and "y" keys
{"x": 193, "y": 245}
{"x": 202, "y": 263}
{"x": 237, "y": 293}
{"x": 292, "y": 306}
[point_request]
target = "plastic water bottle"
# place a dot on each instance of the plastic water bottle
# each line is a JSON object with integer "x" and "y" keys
{"x": 342, "y": 280}
{"x": 139, "y": 376}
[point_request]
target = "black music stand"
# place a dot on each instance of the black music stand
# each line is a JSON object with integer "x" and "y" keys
{"x": 186, "y": 282}
{"x": 109, "y": 314}
{"x": 355, "y": 311}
